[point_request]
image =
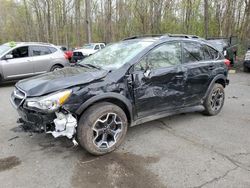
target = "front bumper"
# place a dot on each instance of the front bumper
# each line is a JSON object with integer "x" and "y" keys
{"x": 34, "y": 121}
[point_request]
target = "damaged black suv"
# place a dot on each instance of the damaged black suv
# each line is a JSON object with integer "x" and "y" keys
{"x": 127, "y": 83}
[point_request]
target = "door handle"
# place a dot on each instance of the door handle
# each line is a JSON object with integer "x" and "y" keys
{"x": 179, "y": 76}
{"x": 211, "y": 67}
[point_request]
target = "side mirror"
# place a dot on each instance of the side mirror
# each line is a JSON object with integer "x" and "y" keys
{"x": 9, "y": 56}
{"x": 147, "y": 73}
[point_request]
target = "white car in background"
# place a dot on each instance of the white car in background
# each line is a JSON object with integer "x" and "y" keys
{"x": 86, "y": 50}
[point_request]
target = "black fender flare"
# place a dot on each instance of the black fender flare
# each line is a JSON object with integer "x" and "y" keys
{"x": 218, "y": 77}
{"x": 109, "y": 95}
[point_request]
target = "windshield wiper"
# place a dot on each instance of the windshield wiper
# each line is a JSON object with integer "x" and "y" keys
{"x": 93, "y": 66}
{"x": 88, "y": 66}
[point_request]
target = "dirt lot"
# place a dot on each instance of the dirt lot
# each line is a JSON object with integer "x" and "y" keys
{"x": 189, "y": 150}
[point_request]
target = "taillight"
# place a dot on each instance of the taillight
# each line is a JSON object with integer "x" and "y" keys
{"x": 66, "y": 56}
{"x": 227, "y": 63}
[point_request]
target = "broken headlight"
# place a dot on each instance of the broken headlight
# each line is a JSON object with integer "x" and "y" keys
{"x": 49, "y": 102}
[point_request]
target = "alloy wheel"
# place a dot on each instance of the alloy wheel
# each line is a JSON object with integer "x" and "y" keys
{"x": 106, "y": 130}
{"x": 216, "y": 100}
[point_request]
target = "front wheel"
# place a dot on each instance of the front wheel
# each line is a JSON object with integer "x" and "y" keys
{"x": 102, "y": 128}
{"x": 215, "y": 100}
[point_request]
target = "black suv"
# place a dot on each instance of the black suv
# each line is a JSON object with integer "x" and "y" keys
{"x": 127, "y": 83}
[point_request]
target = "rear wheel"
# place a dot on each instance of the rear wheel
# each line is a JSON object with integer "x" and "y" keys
{"x": 215, "y": 100}
{"x": 56, "y": 67}
{"x": 102, "y": 128}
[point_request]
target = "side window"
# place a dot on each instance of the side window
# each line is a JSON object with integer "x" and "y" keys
{"x": 97, "y": 47}
{"x": 166, "y": 55}
{"x": 52, "y": 49}
{"x": 40, "y": 50}
{"x": 206, "y": 53}
{"x": 192, "y": 52}
{"x": 78, "y": 54}
{"x": 102, "y": 46}
{"x": 214, "y": 53}
{"x": 20, "y": 52}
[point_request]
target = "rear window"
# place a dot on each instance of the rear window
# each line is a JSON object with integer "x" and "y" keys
{"x": 40, "y": 50}
{"x": 79, "y": 54}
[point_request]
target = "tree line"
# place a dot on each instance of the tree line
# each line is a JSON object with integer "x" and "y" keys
{"x": 75, "y": 22}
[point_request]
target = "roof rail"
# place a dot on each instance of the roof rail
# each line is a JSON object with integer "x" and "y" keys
{"x": 161, "y": 35}
{"x": 143, "y": 36}
{"x": 184, "y": 36}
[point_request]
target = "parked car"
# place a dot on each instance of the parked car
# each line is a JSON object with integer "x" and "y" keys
{"x": 246, "y": 64}
{"x": 67, "y": 52}
{"x": 227, "y": 46}
{"x": 127, "y": 83}
{"x": 24, "y": 59}
{"x": 86, "y": 51}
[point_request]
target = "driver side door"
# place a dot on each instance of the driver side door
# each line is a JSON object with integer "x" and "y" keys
{"x": 19, "y": 66}
{"x": 158, "y": 80}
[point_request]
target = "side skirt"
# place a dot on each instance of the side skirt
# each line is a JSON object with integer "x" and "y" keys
{"x": 160, "y": 115}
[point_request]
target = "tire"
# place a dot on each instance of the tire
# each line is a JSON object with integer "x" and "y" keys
{"x": 246, "y": 69}
{"x": 213, "y": 104}
{"x": 56, "y": 67}
{"x": 102, "y": 128}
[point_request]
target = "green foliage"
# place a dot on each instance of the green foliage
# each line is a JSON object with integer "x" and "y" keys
{"x": 62, "y": 22}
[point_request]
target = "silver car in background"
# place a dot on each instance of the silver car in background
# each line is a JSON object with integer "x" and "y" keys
{"x": 24, "y": 59}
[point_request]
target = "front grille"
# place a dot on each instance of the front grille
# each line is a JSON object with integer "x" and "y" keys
{"x": 17, "y": 97}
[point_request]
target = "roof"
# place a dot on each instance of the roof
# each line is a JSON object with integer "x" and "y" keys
{"x": 14, "y": 44}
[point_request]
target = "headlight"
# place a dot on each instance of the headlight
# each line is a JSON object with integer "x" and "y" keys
{"x": 50, "y": 102}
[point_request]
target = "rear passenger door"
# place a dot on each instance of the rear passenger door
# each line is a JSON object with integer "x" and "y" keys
{"x": 41, "y": 58}
{"x": 199, "y": 64}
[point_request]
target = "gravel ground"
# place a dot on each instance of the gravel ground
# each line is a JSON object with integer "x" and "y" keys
{"x": 188, "y": 150}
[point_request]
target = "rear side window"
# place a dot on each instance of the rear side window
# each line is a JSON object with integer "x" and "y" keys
{"x": 102, "y": 46}
{"x": 52, "y": 49}
{"x": 213, "y": 53}
{"x": 20, "y": 52}
{"x": 40, "y": 50}
{"x": 193, "y": 52}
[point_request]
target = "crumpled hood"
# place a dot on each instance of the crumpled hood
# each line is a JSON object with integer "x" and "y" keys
{"x": 61, "y": 79}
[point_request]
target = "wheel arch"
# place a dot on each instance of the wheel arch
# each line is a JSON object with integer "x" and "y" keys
{"x": 114, "y": 98}
{"x": 56, "y": 64}
{"x": 220, "y": 79}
